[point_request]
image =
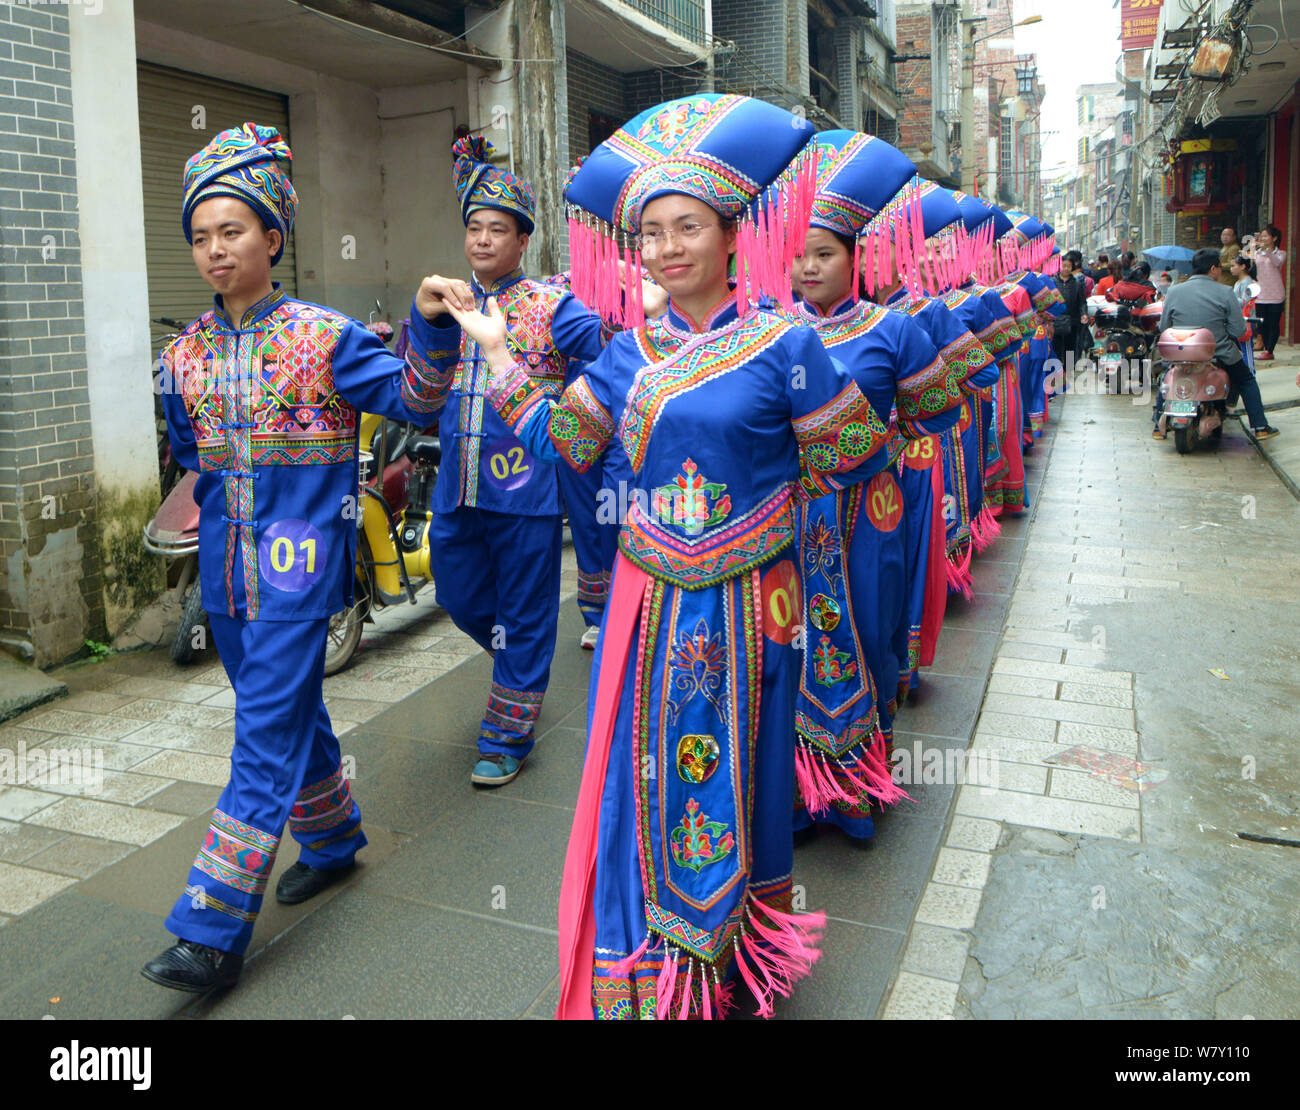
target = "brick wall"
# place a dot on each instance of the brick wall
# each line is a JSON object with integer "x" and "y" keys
{"x": 916, "y": 123}
{"x": 51, "y": 588}
{"x": 653, "y": 86}
{"x": 592, "y": 88}
{"x": 771, "y": 55}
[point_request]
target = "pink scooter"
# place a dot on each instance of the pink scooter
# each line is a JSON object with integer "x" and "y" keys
{"x": 1195, "y": 391}
{"x": 174, "y": 534}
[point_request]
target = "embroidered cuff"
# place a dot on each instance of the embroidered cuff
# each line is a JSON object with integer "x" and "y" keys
{"x": 837, "y": 437}
{"x": 936, "y": 389}
{"x": 514, "y": 395}
{"x": 580, "y": 425}
{"x": 426, "y": 379}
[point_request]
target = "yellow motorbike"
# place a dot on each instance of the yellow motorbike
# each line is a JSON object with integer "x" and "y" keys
{"x": 392, "y": 513}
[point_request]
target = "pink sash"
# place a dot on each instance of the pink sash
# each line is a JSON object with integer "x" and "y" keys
{"x": 577, "y": 920}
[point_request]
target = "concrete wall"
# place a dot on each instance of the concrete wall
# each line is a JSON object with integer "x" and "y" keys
{"x": 372, "y": 168}
{"x": 423, "y": 232}
{"x": 123, "y": 428}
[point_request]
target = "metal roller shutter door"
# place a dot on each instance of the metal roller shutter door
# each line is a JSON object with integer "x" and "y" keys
{"x": 168, "y": 99}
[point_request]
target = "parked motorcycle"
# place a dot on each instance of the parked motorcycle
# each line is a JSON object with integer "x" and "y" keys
{"x": 397, "y": 475}
{"x": 1194, "y": 389}
{"x": 173, "y": 533}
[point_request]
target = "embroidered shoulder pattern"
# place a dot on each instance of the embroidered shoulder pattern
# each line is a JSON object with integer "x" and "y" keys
{"x": 696, "y": 364}
{"x": 850, "y": 326}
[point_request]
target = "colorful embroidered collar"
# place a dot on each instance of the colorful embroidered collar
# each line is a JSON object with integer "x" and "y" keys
{"x": 720, "y": 315}
{"x": 254, "y": 312}
{"x": 811, "y": 311}
{"x": 500, "y": 284}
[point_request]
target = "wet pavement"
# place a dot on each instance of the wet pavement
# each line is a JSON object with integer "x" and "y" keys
{"x": 1139, "y": 859}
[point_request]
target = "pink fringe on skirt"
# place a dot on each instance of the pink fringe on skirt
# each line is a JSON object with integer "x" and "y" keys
{"x": 960, "y": 579}
{"x": 984, "y": 529}
{"x": 868, "y": 775}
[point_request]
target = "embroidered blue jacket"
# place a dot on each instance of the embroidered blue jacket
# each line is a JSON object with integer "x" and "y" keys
{"x": 483, "y": 464}
{"x": 958, "y": 346}
{"x": 893, "y": 361}
{"x": 720, "y": 426}
{"x": 267, "y": 412}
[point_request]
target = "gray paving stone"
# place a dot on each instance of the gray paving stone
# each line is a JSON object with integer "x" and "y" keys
{"x": 19, "y": 842}
{"x": 937, "y": 952}
{"x": 79, "y": 856}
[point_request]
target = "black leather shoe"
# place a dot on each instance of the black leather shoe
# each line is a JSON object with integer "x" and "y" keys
{"x": 301, "y": 882}
{"x": 193, "y": 967}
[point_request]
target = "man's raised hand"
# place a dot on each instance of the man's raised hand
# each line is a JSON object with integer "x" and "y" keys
{"x": 438, "y": 294}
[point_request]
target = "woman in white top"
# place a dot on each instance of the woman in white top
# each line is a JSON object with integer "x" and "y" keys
{"x": 1245, "y": 287}
{"x": 1270, "y": 262}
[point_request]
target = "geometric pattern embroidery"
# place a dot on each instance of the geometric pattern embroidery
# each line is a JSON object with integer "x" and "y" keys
{"x": 629, "y": 997}
{"x": 236, "y": 854}
{"x": 707, "y": 944}
{"x": 837, "y": 437}
{"x": 744, "y": 543}
{"x": 201, "y": 898}
{"x": 514, "y": 712}
{"x": 322, "y": 806}
{"x": 966, "y": 356}
{"x": 687, "y": 370}
{"x": 529, "y": 308}
{"x": 593, "y": 589}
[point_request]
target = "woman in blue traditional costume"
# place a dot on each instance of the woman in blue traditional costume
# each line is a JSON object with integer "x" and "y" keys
{"x": 1023, "y": 247}
{"x": 853, "y": 550}
{"x": 984, "y": 313}
{"x": 677, "y": 877}
{"x": 262, "y": 396}
{"x": 919, "y": 297}
{"x": 1004, "y": 469}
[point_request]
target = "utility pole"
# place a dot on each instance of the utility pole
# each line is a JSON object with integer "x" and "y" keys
{"x": 968, "y": 24}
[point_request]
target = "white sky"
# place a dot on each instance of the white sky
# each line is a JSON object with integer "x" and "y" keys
{"x": 1077, "y": 43}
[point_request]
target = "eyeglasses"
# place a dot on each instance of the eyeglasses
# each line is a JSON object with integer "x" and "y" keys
{"x": 653, "y": 240}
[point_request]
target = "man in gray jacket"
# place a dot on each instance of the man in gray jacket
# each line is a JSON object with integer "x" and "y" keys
{"x": 1201, "y": 302}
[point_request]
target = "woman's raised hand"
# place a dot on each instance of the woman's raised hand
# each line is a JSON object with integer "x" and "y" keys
{"x": 488, "y": 330}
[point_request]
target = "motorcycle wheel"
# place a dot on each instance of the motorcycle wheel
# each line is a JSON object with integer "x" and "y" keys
{"x": 193, "y": 616}
{"x": 346, "y": 625}
{"x": 1183, "y": 440}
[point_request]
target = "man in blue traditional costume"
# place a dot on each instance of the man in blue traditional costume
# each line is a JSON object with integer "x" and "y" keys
{"x": 262, "y": 396}
{"x": 496, "y": 531}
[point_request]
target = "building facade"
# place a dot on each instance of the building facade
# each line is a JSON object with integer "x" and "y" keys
{"x": 1217, "y": 133}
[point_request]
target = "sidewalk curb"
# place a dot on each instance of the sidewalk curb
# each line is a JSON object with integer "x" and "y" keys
{"x": 1283, "y": 476}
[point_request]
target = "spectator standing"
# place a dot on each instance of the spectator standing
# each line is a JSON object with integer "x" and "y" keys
{"x": 1231, "y": 248}
{"x": 1270, "y": 262}
{"x": 1109, "y": 280}
{"x": 1070, "y": 286}
{"x": 1243, "y": 276}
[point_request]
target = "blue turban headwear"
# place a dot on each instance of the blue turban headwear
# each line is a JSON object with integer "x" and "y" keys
{"x": 241, "y": 163}
{"x": 479, "y": 184}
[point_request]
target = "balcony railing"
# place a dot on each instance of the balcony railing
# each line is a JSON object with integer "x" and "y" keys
{"x": 683, "y": 17}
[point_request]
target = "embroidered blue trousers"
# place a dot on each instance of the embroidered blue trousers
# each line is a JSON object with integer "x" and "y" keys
{"x": 285, "y": 767}
{"x": 498, "y": 576}
{"x": 596, "y": 501}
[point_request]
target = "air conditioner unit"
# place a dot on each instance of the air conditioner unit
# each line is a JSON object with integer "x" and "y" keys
{"x": 1214, "y": 59}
